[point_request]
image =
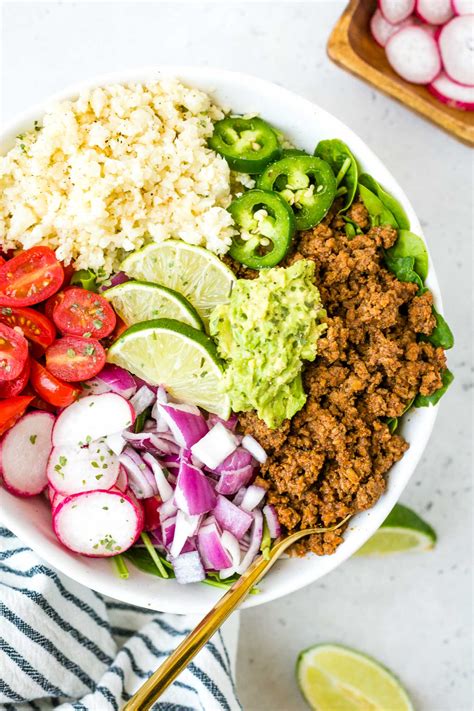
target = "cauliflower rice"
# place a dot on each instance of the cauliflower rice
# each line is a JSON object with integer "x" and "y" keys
{"x": 120, "y": 166}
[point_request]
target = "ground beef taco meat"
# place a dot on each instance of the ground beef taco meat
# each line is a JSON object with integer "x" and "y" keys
{"x": 332, "y": 459}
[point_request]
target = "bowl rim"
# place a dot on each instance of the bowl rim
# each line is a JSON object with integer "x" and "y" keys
{"x": 367, "y": 522}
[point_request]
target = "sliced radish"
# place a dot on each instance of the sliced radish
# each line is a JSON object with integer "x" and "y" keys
{"x": 54, "y": 498}
{"x": 434, "y": 12}
{"x": 24, "y": 453}
{"x": 453, "y": 94}
{"x": 91, "y": 418}
{"x": 414, "y": 55}
{"x": 122, "y": 479}
{"x": 463, "y": 7}
{"x": 72, "y": 470}
{"x": 395, "y": 11}
{"x": 383, "y": 30}
{"x": 98, "y": 523}
{"x": 456, "y": 44}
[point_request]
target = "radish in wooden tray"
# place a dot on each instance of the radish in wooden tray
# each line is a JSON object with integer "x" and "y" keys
{"x": 396, "y": 11}
{"x": 456, "y": 44}
{"x": 414, "y": 54}
{"x": 382, "y": 29}
{"x": 463, "y": 7}
{"x": 98, "y": 523}
{"x": 434, "y": 12}
{"x": 24, "y": 453}
{"x": 453, "y": 94}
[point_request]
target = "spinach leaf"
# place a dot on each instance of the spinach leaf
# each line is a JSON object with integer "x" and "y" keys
{"x": 403, "y": 268}
{"x": 426, "y": 400}
{"x": 441, "y": 335}
{"x": 392, "y": 424}
{"x": 344, "y": 165}
{"x": 388, "y": 200}
{"x": 141, "y": 419}
{"x": 142, "y": 560}
{"x": 410, "y": 245}
{"x": 378, "y": 213}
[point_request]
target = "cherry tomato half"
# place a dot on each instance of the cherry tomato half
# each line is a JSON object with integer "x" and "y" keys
{"x": 49, "y": 304}
{"x": 11, "y": 410}
{"x": 9, "y": 388}
{"x": 30, "y": 277}
{"x": 2, "y": 260}
{"x": 35, "y": 327}
{"x": 83, "y": 313}
{"x": 13, "y": 352}
{"x": 74, "y": 359}
{"x": 51, "y": 389}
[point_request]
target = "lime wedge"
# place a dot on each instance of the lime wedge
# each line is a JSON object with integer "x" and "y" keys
{"x": 173, "y": 354}
{"x": 403, "y": 530}
{"x": 192, "y": 271}
{"x": 137, "y": 301}
{"x": 336, "y": 678}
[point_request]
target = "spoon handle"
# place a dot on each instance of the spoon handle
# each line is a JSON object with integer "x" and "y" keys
{"x": 195, "y": 641}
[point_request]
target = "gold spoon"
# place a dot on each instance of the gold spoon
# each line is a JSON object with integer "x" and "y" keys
{"x": 158, "y": 682}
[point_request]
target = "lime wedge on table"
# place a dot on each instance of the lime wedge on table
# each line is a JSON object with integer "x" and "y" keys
{"x": 403, "y": 530}
{"x": 173, "y": 354}
{"x": 192, "y": 271}
{"x": 336, "y": 678}
{"x": 137, "y": 301}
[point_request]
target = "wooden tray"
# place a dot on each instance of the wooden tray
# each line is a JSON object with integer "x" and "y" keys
{"x": 352, "y": 47}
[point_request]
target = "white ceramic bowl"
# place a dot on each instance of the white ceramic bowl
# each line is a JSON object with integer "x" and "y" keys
{"x": 305, "y": 124}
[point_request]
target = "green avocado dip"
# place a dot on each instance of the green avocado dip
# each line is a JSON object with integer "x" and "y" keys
{"x": 269, "y": 327}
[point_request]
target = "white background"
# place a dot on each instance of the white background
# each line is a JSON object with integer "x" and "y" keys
{"x": 413, "y": 613}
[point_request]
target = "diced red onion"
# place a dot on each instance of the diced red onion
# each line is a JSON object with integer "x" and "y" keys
{"x": 111, "y": 379}
{"x": 230, "y": 424}
{"x": 161, "y": 394}
{"x": 231, "y": 518}
{"x": 237, "y": 460}
{"x": 150, "y": 442}
{"x": 186, "y": 422}
{"x": 168, "y": 509}
{"x": 274, "y": 527}
{"x": 164, "y": 488}
{"x": 239, "y": 497}
{"x": 213, "y": 554}
{"x": 119, "y": 278}
{"x": 167, "y": 530}
{"x": 140, "y": 383}
{"x": 188, "y": 568}
{"x": 140, "y": 483}
{"x": 255, "y": 542}
{"x": 215, "y": 446}
{"x": 256, "y": 450}
{"x": 231, "y": 481}
{"x": 143, "y": 398}
{"x": 185, "y": 527}
{"x": 193, "y": 493}
{"x": 231, "y": 545}
{"x": 253, "y": 496}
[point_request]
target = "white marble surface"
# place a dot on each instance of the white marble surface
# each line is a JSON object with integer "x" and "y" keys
{"x": 411, "y": 612}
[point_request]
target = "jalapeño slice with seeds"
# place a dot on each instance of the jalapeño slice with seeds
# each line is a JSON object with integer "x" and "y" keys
{"x": 306, "y": 183}
{"x": 266, "y": 227}
{"x": 247, "y": 144}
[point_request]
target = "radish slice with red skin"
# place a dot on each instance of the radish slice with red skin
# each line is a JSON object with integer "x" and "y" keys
{"x": 24, "y": 453}
{"x": 452, "y": 94}
{"x": 98, "y": 524}
{"x": 382, "y": 30}
{"x": 122, "y": 479}
{"x": 92, "y": 418}
{"x": 414, "y": 55}
{"x": 463, "y": 7}
{"x": 72, "y": 470}
{"x": 434, "y": 12}
{"x": 456, "y": 44}
{"x": 396, "y": 11}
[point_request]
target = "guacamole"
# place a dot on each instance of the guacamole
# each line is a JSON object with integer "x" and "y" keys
{"x": 269, "y": 327}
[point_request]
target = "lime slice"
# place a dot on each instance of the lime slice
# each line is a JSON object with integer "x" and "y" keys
{"x": 137, "y": 301}
{"x": 336, "y": 678}
{"x": 192, "y": 271}
{"x": 403, "y": 530}
{"x": 173, "y": 354}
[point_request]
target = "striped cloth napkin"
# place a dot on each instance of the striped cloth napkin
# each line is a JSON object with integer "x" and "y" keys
{"x": 67, "y": 647}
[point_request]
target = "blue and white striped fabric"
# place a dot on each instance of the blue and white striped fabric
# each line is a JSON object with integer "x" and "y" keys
{"x": 64, "y": 646}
